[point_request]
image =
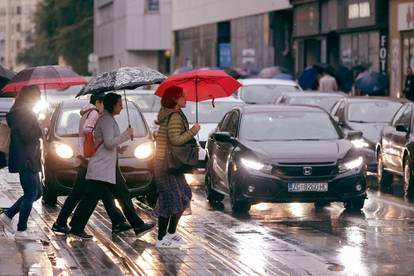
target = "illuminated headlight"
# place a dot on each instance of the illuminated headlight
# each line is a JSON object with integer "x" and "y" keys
{"x": 40, "y": 106}
{"x": 144, "y": 151}
{"x": 350, "y": 165}
{"x": 360, "y": 143}
{"x": 64, "y": 151}
{"x": 255, "y": 165}
{"x": 42, "y": 116}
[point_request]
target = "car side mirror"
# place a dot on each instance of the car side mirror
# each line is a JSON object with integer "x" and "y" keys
{"x": 224, "y": 137}
{"x": 401, "y": 128}
{"x": 354, "y": 135}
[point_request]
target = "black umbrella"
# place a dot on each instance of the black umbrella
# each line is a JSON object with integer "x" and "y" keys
{"x": 5, "y": 76}
{"x": 121, "y": 79}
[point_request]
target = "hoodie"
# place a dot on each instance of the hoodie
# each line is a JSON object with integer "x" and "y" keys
{"x": 25, "y": 132}
{"x": 89, "y": 115}
{"x": 173, "y": 129}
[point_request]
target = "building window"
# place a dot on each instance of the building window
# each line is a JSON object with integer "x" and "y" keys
{"x": 18, "y": 45}
{"x": 153, "y": 5}
{"x": 360, "y": 49}
{"x": 359, "y": 10}
{"x": 18, "y": 27}
{"x": 18, "y": 10}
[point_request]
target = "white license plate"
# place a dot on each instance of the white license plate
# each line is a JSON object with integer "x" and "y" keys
{"x": 307, "y": 187}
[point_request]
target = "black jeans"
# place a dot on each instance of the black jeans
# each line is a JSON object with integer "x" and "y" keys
{"x": 32, "y": 191}
{"x": 97, "y": 190}
{"x": 80, "y": 188}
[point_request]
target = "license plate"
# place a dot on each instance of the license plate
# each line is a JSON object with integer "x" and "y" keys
{"x": 307, "y": 187}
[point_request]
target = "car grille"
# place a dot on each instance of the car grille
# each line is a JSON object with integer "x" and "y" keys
{"x": 305, "y": 169}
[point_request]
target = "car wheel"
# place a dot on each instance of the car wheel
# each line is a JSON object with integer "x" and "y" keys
{"x": 321, "y": 204}
{"x": 384, "y": 178}
{"x": 355, "y": 204}
{"x": 408, "y": 177}
{"x": 212, "y": 196}
{"x": 238, "y": 206}
{"x": 49, "y": 197}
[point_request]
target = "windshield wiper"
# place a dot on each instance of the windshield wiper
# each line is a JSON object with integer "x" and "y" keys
{"x": 361, "y": 122}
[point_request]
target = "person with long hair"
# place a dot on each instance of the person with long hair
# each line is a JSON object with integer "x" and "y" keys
{"x": 24, "y": 159}
{"x": 174, "y": 191}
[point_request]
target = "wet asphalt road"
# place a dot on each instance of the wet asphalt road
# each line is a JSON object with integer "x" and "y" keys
{"x": 376, "y": 241}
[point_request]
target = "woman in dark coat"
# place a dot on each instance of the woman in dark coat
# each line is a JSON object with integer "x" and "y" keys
{"x": 24, "y": 158}
{"x": 174, "y": 192}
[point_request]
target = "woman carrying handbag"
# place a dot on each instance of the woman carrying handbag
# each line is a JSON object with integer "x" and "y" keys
{"x": 174, "y": 191}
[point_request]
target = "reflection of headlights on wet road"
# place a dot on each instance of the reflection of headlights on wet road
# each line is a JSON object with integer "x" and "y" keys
{"x": 144, "y": 151}
{"x": 360, "y": 143}
{"x": 63, "y": 151}
{"x": 350, "y": 165}
{"x": 41, "y": 106}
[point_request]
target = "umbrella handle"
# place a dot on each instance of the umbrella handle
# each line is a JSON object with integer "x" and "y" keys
{"x": 129, "y": 120}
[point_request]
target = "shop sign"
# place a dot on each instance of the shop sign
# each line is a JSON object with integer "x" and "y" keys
{"x": 406, "y": 16}
{"x": 224, "y": 55}
{"x": 383, "y": 53}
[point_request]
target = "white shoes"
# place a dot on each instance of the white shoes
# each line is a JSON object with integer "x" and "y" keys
{"x": 7, "y": 223}
{"x": 25, "y": 236}
{"x": 170, "y": 241}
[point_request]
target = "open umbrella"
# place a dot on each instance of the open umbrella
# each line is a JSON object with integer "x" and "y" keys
{"x": 201, "y": 85}
{"x": 308, "y": 80}
{"x": 121, "y": 79}
{"x": 5, "y": 76}
{"x": 46, "y": 77}
{"x": 370, "y": 83}
{"x": 283, "y": 76}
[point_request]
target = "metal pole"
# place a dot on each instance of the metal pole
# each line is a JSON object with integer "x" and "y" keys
{"x": 127, "y": 110}
{"x": 196, "y": 89}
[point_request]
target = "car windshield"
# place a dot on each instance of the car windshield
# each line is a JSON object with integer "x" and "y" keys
{"x": 325, "y": 102}
{"x": 287, "y": 126}
{"x": 206, "y": 112}
{"x": 372, "y": 112}
{"x": 147, "y": 103}
{"x": 265, "y": 94}
{"x": 68, "y": 122}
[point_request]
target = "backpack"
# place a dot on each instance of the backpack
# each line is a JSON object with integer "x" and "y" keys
{"x": 89, "y": 148}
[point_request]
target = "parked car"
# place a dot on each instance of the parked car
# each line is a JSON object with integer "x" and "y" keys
{"x": 325, "y": 100}
{"x": 264, "y": 91}
{"x": 208, "y": 117}
{"x": 61, "y": 149}
{"x": 368, "y": 115}
{"x": 395, "y": 150}
{"x": 276, "y": 153}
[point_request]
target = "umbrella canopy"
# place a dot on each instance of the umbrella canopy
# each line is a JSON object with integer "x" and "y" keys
{"x": 201, "y": 85}
{"x": 122, "y": 78}
{"x": 371, "y": 83}
{"x": 5, "y": 76}
{"x": 283, "y": 76}
{"x": 46, "y": 77}
{"x": 308, "y": 80}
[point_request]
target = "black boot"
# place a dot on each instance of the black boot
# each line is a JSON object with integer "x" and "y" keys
{"x": 64, "y": 229}
{"x": 121, "y": 227}
{"x": 144, "y": 228}
{"x": 82, "y": 235}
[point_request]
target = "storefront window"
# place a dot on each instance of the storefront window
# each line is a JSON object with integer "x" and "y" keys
{"x": 360, "y": 49}
{"x": 408, "y": 54}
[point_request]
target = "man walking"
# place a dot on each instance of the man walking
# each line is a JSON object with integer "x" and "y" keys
{"x": 327, "y": 83}
{"x": 90, "y": 114}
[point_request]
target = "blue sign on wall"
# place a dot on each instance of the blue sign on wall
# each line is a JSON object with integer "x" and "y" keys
{"x": 224, "y": 55}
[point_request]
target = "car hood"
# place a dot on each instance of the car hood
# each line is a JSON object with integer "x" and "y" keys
{"x": 300, "y": 151}
{"x": 372, "y": 132}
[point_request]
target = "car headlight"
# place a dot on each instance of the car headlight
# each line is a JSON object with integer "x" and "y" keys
{"x": 64, "y": 151}
{"x": 40, "y": 106}
{"x": 144, "y": 151}
{"x": 350, "y": 165}
{"x": 360, "y": 143}
{"x": 255, "y": 165}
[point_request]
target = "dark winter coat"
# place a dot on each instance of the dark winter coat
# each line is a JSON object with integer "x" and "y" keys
{"x": 24, "y": 150}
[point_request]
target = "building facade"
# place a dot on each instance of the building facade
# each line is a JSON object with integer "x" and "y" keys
{"x": 16, "y": 25}
{"x": 132, "y": 33}
{"x": 240, "y": 33}
{"x": 401, "y": 48}
{"x": 341, "y": 32}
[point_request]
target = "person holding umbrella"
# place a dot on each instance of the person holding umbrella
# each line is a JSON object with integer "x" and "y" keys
{"x": 24, "y": 158}
{"x": 103, "y": 174}
{"x": 174, "y": 191}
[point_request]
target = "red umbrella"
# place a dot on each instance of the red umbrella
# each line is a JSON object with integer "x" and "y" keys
{"x": 201, "y": 85}
{"x": 46, "y": 77}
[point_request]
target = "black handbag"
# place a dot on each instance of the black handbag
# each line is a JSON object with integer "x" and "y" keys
{"x": 182, "y": 158}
